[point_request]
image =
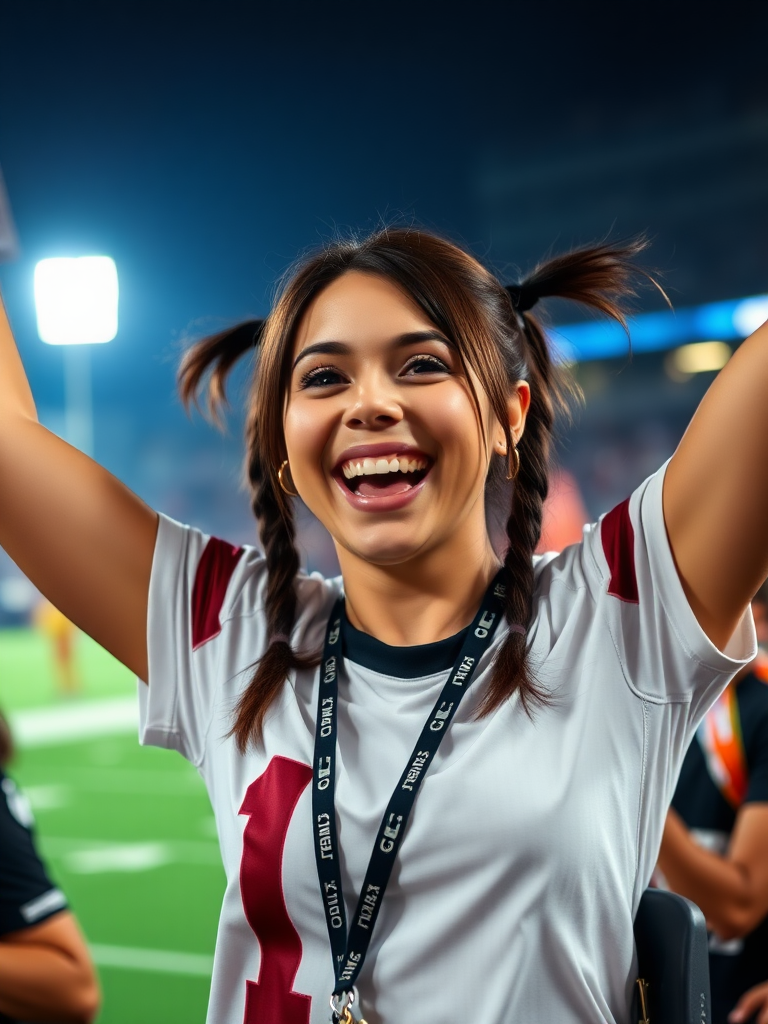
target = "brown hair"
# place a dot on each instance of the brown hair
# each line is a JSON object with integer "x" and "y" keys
{"x": 495, "y": 335}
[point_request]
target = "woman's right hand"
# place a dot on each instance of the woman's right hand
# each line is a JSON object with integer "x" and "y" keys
{"x": 81, "y": 537}
{"x": 754, "y": 1002}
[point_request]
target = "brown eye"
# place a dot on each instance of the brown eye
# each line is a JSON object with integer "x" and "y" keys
{"x": 425, "y": 364}
{"x": 321, "y": 377}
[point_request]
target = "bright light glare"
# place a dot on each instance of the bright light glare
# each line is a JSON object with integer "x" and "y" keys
{"x": 750, "y": 314}
{"x": 76, "y": 300}
{"x": 702, "y": 357}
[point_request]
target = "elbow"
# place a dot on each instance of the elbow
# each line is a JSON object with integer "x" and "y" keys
{"x": 90, "y": 1004}
{"x": 736, "y": 921}
{"x": 83, "y": 1001}
{"x": 85, "y": 1009}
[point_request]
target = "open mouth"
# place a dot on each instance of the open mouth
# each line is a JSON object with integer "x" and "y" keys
{"x": 384, "y": 476}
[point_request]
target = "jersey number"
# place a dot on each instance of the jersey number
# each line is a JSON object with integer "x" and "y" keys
{"x": 269, "y": 803}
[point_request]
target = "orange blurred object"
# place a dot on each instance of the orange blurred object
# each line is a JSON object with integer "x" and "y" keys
{"x": 62, "y": 635}
{"x": 564, "y": 513}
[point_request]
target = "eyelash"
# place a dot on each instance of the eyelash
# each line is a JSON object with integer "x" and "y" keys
{"x": 308, "y": 379}
{"x": 312, "y": 377}
{"x": 438, "y": 365}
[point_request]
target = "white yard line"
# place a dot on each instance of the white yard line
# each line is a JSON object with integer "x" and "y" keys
{"x": 69, "y": 723}
{"x": 95, "y": 856}
{"x": 182, "y": 781}
{"x": 164, "y": 961}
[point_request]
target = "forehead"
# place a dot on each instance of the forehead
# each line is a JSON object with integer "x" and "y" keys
{"x": 359, "y": 307}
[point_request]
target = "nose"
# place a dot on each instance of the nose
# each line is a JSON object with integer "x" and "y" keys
{"x": 373, "y": 406}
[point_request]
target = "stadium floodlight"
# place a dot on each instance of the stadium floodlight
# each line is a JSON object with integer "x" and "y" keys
{"x": 76, "y": 300}
{"x": 76, "y": 304}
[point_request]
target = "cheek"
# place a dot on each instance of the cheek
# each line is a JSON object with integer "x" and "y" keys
{"x": 451, "y": 419}
{"x": 306, "y": 426}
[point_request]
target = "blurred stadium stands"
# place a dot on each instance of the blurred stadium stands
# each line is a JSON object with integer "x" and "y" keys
{"x": 206, "y": 173}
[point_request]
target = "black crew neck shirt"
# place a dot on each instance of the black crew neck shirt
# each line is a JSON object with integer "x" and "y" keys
{"x": 27, "y": 895}
{"x": 401, "y": 662}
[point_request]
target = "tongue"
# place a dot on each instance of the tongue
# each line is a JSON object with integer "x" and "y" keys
{"x": 383, "y": 486}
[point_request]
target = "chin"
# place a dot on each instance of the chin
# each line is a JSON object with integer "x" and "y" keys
{"x": 383, "y": 550}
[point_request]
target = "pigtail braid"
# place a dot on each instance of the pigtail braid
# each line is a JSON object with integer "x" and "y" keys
{"x": 531, "y": 487}
{"x": 602, "y": 277}
{"x": 277, "y": 532}
{"x": 213, "y": 358}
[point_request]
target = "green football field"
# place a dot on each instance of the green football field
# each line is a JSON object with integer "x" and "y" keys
{"x": 126, "y": 831}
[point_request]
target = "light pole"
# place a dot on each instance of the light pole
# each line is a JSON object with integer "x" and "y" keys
{"x": 76, "y": 303}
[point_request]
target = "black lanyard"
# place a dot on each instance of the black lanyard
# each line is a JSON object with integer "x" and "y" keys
{"x": 349, "y": 950}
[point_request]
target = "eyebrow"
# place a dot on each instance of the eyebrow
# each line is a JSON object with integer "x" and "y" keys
{"x": 342, "y": 348}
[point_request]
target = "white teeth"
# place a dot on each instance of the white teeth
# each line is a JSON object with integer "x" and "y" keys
{"x": 379, "y": 467}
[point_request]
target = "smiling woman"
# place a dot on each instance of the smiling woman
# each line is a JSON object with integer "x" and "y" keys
{"x": 499, "y": 729}
{"x": 402, "y": 343}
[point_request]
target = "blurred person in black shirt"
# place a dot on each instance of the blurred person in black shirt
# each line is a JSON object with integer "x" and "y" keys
{"x": 46, "y": 972}
{"x": 715, "y": 844}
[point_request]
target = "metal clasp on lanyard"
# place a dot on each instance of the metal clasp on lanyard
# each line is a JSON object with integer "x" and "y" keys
{"x": 341, "y": 1008}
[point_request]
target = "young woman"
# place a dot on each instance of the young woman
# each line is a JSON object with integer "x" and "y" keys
{"x": 536, "y": 711}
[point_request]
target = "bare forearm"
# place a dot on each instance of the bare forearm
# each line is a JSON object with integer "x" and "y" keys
{"x": 720, "y": 887}
{"x": 43, "y": 983}
{"x": 15, "y": 394}
{"x": 79, "y": 534}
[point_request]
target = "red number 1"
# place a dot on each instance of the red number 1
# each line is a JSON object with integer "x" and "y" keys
{"x": 269, "y": 803}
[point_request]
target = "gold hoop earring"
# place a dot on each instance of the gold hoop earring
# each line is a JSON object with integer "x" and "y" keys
{"x": 291, "y": 494}
{"x": 514, "y": 458}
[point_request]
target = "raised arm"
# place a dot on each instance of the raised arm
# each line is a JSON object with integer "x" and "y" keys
{"x": 716, "y": 493}
{"x": 83, "y": 538}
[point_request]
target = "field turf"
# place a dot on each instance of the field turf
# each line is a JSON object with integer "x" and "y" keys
{"x": 128, "y": 834}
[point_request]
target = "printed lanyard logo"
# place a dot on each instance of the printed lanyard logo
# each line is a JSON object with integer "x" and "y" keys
{"x": 349, "y": 949}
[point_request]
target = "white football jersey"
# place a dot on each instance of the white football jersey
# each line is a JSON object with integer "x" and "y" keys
{"x": 531, "y": 841}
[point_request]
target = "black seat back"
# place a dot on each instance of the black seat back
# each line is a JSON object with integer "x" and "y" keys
{"x": 672, "y": 954}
